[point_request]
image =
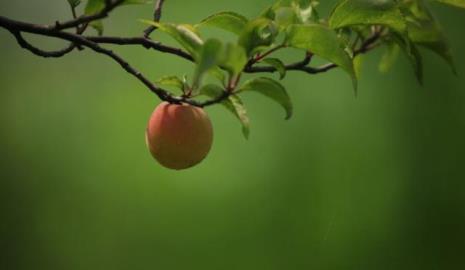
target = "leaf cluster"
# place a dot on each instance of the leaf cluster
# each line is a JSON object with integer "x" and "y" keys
{"x": 353, "y": 27}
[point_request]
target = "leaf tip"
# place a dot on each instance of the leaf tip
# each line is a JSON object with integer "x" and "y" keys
{"x": 246, "y": 133}
{"x": 288, "y": 114}
{"x": 355, "y": 85}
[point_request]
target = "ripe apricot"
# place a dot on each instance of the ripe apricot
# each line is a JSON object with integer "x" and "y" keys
{"x": 179, "y": 136}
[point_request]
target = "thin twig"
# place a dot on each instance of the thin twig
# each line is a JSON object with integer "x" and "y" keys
{"x": 156, "y": 17}
{"x": 109, "y": 6}
{"x": 15, "y": 26}
{"x": 79, "y": 30}
{"x": 26, "y": 45}
{"x": 92, "y": 42}
{"x": 265, "y": 54}
{"x": 145, "y": 42}
{"x": 369, "y": 44}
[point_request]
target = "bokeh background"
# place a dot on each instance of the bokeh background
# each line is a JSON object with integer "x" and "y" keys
{"x": 373, "y": 182}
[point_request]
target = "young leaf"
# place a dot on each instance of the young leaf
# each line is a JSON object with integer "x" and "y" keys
{"x": 229, "y": 21}
{"x": 455, "y": 3}
{"x": 94, "y": 6}
{"x": 271, "y": 89}
{"x": 389, "y": 57}
{"x": 368, "y": 12}
{"x": 434, "y": 41}
{"x": 323, "y": 42}
{"x": 285, "y": 16}
{"x": 233, "y": 104}
{"x": 413, "y": 55}
{"x": 173, "y": 81}
{"x": 278, "y": 65}
{"x": 217, "y": 73}
{"x": 292, "y": 11}
{"x": 184, "y": 34}
{"x": 98, "y": 26}
{"x": 211, "y": 90}
{"x": 234, "y": 59}
{"x": 208, "y": 58}
{"x": 358, "y": 63}
{"x": 241, "y": 114}
{"x": 416, "y": 60}
{"x": 424, "y": 30}
{"x": 257, "y": 34}
{"x": 307, "y": 10}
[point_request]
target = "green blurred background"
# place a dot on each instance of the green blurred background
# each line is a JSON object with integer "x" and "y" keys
{"x": 373, "y": 182}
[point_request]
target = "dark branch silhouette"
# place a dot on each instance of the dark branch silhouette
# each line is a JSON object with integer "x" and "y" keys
{"x": 79, "y": 40}
{"x": 156, "y": 17}
{"x": 110, "y": 5}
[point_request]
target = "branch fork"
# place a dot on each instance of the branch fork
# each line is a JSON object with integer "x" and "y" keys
{"x": 79, "y": 40}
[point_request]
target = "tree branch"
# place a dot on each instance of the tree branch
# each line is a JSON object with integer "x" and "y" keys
{"x": 367, "y": 45}
{"x": 26, "y": 45}
{"x": 110, "y": 5}
{"x": 156, "y": 17}
{"x": 93, "y": 43}
{"x": 16, "y": 26}
{"x": 145, "y": 42}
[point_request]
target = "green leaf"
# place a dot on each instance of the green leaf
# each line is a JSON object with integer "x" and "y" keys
{"x": 233, "y": 104}
{"x": 285, "y": 16}
{"x": 234, "y": 59}
{"x": 287, "y": 12}
{"x": 368, "y": 12}
{"x": 416, "y": 60}
{"x": 425, "y": 31}
{"x": 74, "y": 3}
{"x": 211, "y": 90}
{"x": 258, "y": 34}
{"x": 217, "y": 73}
{"x": 278, "y": 65}
{"x": 307, "y": 10}
{"x": 358, "y": 63}
{"x": 271, "y": 89}
{"x": 455, "y": 3}
{"x": 98, "y": 26}
{"x": 208, "y": 58}
{"x": 229, "y": 21}
{"x": 241, "y": 113}
{"x": 173, "y": 81}
{"x": 413, "y": 55}
{"x": 324, "y": 42}
{"x": 94, "y": 6}
{"x": 389, "y": 57}
{"x": 184, "y": 34}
